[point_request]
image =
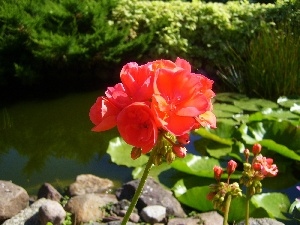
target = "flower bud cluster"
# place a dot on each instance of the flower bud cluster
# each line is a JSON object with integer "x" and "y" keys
{"x": 257, "y": 170}
{"x": 220, "y": 191}
{"x": 169, "y": 147}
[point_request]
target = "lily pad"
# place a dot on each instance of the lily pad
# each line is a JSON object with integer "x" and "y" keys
{"x": 227, "y": 108}
{"x": 275, "y": 204}
{"x": 119, "y": 152}
{"x": 254, "y": 105}
{"x": 193, "y": 196}
{"x": 196, "y": 165}
{"x": 229, "y": 97}
{"x": 278, "y": 136}
{"x": 288, "y": 102}
{"x": 222, "y": 134}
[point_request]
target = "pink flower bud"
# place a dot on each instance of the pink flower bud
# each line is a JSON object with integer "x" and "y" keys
{"x": 256, "y": 149}
{"x": 179, "y": 150}
{"x": 231, "y": 166}
{"x": 247, "y": 154}
{"x": 211, "y": 195}
{"x": 257, "y": 166}
{"x": 269, "y": 161}
{"x": 183, "y": 139}
{"x": 218, "y": 172}
{"x": 136, "y": 153}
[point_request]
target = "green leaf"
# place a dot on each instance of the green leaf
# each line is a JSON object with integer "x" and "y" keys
{"x": 119, "y": 152}
{"x": 229, "y": 97}
{"x": 196, "y": 198}
{"x": 195, "y": 195}
{"x": 218, "y": 150}
{"x": 275, "y": 204}
{"x": 227, "y": 108}
{"x": 278, "y": 136}
{"x": 237, "y": 209}
{"x": 294, "y": 206}
{"x": 281, "y": 149}
{"x": 288, "y": 102}
{"x": 222, "y": 134}
{"x": 255, "y": 104}
{"x": 196, "y": 165}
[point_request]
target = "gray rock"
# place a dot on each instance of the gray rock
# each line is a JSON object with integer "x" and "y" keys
{"x": 51, "y": 211}
{"x": 88, "y": 183}
{"x": 49, "y": 192}
{"x": 185, "y": 221}
{"x": 212, "y": 217}
{"x": 121, "y": 205}
{"x": 261, "y": 221}
{"x": 28, "y": 216}
{"x": 13, "y": 199}
{"x": 153, "y": 194}
{"x": 85, "y": 208}
{"x": 134, "y": 217}
{"x": 153, "y": 214}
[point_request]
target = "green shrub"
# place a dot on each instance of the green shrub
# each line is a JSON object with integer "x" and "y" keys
{"x": 271, "y": 67}
{"x": 197, "y": 31}
{"x": 42, "y": 41}
{"x": 74, "y": 39}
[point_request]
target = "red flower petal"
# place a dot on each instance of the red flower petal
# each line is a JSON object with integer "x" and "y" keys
{"x": 137, "y": 127}
{"x": 103, "y": 114}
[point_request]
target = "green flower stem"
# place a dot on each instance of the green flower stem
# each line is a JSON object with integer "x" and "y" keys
{"x": 139, "y": 189}
{"x": 226, "y": 212}
{"x": 247, "y": 205}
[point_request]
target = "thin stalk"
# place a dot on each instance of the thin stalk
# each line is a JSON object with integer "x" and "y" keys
{"x": 139, "y": 188}
{"x": 226, "y": 212}
{"x": 247, "y": 206}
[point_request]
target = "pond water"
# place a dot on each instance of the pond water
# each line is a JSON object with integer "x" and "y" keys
{"x": 51, "y": 141}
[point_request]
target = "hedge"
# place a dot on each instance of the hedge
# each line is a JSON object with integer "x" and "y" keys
{"x": 61, "y": 38}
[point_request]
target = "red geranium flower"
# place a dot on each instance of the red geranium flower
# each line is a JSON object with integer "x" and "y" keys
{"x": 137, "y": 126}
{"x": 178, "y": 97}
{"x": 103, "y": 114}
{"x": 138, "y": 81}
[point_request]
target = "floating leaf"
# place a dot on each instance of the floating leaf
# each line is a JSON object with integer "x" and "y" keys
{"x": 255, "y": 104}
{"x": 237, "y": 209}
{"x": 281, "y": 149}
{"x": 119, "y": 152}
{"x": 218, "y": 150}
{"x": 295, "y": 109}
{"x": 275, "y": 204}
{"x": 227, "y": 108}
{"x": 229, "y": 97}
{"x": 288, "y": 102}
{"x": 222, "y": 114}
{"x": 196, "y": 165}
{"x": 222, "y": 134}
{"x": 194, "y": 196}
{"x": 273, "y": 135}
{"x": 227, "y": 121}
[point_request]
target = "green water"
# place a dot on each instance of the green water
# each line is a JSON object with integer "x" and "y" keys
{"x": 51, "y": 141}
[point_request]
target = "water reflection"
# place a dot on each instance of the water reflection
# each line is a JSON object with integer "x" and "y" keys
{"x": 49, "y": 141}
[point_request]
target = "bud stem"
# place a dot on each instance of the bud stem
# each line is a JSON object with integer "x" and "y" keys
{"x": 139, "y": 188}
{"x": 248, "y": 196}
{"x": 226, "y": 212}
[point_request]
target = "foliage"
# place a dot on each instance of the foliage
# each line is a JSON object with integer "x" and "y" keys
{"x": 270, "y": 67}
{"x": 241, "y": 122}
{"x": 42, "y": 40}
{"x": 48, "y": 38}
